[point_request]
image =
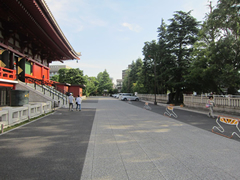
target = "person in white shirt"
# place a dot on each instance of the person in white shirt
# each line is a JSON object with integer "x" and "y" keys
{"x": 70, "y": 101}
{"x": 78, "y": 102}
{"x": 211, "y": 105}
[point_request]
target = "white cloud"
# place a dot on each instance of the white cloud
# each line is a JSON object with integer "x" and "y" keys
{"x": 132, "y": 27}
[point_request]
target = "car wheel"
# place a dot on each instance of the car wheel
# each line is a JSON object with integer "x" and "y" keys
{"x": 137, "y": 99}
{"x": 125, "y": 99}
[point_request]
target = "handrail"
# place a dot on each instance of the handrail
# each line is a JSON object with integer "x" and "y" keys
{"x": 44, "y": 86}
{"x": 9, "y": 74}
{"x": 38, "y": 81}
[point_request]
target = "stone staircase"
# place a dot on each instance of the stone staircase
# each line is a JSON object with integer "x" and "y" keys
{"x": 43, "y": 93}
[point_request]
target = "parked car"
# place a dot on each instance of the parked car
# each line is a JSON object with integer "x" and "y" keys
{"x": 129, "y": 98}
{"x": 114, "y": 95}
{"x": 117, "y": 96}
{"x": 124, "y": 94}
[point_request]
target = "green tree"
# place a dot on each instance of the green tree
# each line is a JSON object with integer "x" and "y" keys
{"x": 126, "y": 86}
{"x": 91, "y": 86}
{"x": 105, "y": 83}
{"x": 55, "y": 78}
{"x": 71, "y": 76}
{"x": 216, "y": 55}
{"x": 165, "y": 62}
{"x": 181, "y": 35}
{"x": 62, "y": 75}
{"x": 150, "y": 52}
{"x": 133, "y": 81}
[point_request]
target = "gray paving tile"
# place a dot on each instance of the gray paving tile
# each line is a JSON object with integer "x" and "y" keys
{"x": 128, "y": 142}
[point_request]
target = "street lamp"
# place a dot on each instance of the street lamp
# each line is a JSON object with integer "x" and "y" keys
{"x": 155, "y": 80}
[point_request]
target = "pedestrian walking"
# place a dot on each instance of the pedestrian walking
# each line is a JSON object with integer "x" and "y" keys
{"x": 211, "y": 104}
{"x": 78, "y": 103}
{"x": 70, "y": 101}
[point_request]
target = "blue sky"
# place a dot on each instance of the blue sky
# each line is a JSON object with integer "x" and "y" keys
{"x": 110, "y": 34}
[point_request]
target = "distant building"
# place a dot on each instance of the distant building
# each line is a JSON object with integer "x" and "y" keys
{"x": 114, "y": 86}
{"x": 54, "y": 69}
{"x": 119, "y": 85}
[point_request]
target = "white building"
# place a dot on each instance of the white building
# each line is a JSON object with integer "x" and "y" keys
{"x": 54, "y": 69}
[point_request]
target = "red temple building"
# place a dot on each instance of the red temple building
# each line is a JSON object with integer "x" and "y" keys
{"x": 30, "y": 39}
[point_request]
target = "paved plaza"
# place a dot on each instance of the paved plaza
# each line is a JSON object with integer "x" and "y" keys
{"x": 115, "y": 140}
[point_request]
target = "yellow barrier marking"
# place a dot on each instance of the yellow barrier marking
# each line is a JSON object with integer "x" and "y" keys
{"x": 170, "y": 107}
{"x": 229, "y": 121}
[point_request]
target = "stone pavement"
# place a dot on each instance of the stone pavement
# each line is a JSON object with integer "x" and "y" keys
{"x": 114, "y": 140}
{"x": 129, "y": 142}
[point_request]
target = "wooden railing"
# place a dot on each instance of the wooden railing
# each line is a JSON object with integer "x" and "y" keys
{"x": 31, "y": 79}
{"x": 8, "y": 74}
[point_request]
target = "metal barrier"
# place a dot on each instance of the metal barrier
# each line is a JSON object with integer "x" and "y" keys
{"x": 169, "y": 112}
{"x": 146, "y": 106}
{"x": 226, "y": 121}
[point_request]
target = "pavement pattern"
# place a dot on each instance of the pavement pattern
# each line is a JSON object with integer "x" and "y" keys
{"x": 115, "y": 140}
{"x": 129, "y": 142}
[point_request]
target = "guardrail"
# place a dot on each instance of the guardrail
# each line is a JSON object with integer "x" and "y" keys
{"x": 14, "y": 115}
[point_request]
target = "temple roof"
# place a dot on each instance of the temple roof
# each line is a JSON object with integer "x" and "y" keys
{"x": 34, "y": 19}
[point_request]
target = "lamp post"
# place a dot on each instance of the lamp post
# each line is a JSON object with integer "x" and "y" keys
{"x": 155, "y": 80}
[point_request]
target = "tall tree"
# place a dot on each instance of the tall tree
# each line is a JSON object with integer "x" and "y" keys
{"x": 91, "y": 86}
{"x": 182, "y": 34}
{"x": 150, "y": 52}
{"x": 126, "y": 86}
{"x": 133, "y": 79}
{"x": 164, "y": 61}
{"x": 62, "y": 75}
{"x": 217, "y": 53}
{"x": 105, "y": 83}
{"x": 71, "y": 76}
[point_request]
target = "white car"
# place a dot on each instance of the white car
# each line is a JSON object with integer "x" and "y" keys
{"x": 124, "y": 94}
{"x": 129, "y": 98}
{"x": 114, "y": 95}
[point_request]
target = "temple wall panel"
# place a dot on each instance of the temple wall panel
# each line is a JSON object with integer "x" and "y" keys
{"x": 46, "y": 73}
{"x": 37, "y": 71}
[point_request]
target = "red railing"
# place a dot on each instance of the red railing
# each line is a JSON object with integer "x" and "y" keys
{"x": 31, "y": 79}
{"x": 8, "y": 74}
